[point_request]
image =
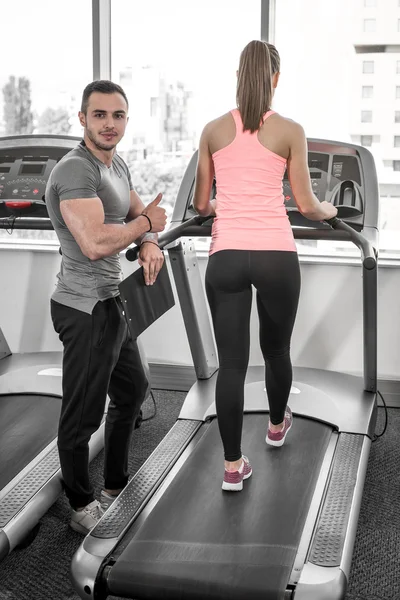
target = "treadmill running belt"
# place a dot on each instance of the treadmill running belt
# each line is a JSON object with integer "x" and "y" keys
{"x": 200, "y": 542}
{"x": 28, "y": 423}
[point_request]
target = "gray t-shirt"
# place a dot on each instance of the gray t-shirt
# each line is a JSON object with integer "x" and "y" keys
{"x": 79, "y": 174}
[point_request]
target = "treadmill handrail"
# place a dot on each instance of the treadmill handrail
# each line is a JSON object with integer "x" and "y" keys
{"x": 35, "y": 223}
{"x": 173, "y": 233}
{"x": 338, "y": 231}
{"x": 368, "y": 252}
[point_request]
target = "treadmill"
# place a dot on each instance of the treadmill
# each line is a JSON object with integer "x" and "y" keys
{"x": 172, "y": 533}
{"x": 30, "y": 384}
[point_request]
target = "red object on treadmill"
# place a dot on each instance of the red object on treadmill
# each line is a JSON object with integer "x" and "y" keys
{"x": 24, "y": 204}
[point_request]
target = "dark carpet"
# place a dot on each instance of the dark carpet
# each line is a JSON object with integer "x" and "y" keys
{"x": 41, "y": 571}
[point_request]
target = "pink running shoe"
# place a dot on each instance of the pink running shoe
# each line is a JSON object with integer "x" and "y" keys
{"x": 278, "y": 438}
{"x": 233, "y": 480}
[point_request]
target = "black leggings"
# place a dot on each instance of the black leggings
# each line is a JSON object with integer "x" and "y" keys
{"x": 229, "y": 278}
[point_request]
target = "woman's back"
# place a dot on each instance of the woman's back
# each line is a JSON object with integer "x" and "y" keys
{"x": 249, "y": 167}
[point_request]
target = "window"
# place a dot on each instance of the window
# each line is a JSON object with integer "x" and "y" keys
{"x": 369, "y": 25}
{"x": 366, "y": 116}
{"x": 368, "y": 66}
{"x": 398, "y": 67}
{"x": 398, "y": 24}
{"x": 396, "y": 165}
{"x": 397, "y": 92}
{"x": 367, "y": 91}
{"x": 366, "y": 140}
{"x": 397, "y": 116}
{"x": 339, "y": 68}
{"x": 54, "y": 101}
{"x": 48, "y": 84}
{"x": 178, "y": 82}
{"x": 397, "y": 141}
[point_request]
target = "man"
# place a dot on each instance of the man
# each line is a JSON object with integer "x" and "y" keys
{"x": 96, "y": 213}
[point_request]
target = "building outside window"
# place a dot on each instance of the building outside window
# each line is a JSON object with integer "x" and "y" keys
{"x": 177, "y": 83}
{"x": 396, "y": 165}
{"x": 343, "y": 68}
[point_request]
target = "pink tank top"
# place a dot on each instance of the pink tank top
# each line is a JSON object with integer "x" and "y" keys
{"x": 250, "y": 210}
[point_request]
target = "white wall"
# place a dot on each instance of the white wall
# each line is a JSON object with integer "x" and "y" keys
{"x": 328, "y": 331}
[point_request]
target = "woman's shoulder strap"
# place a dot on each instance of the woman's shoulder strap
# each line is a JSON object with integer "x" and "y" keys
{"x": 268, "y": 114}
{"x": 237, "y": 117}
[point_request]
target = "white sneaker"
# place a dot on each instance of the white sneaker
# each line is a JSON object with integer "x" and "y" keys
{"x": 84, "y": 520}
{"x": 106, "y": 500}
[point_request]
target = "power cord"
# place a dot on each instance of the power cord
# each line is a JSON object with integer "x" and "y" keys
{"x": 9, "y": 223}
{"x": 386, "y": 418}
{"x": 155, "y": 409}
{"x": 140, "y": 419}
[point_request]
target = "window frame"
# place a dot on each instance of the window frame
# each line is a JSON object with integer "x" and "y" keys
{"x": 369, "y": 88}
{"x": 362, "y": 143}
{"x": 369, "y": 20}
{"x": 366, "y": 116}
{"x": 368, "y": 62}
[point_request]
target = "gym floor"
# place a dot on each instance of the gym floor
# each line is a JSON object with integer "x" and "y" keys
{"x": 41, "y": 571}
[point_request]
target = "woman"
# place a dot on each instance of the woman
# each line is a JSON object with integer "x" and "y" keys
{"x": 247, "y": 151}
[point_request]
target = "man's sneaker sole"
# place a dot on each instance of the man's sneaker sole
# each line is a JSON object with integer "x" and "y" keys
{"x": 79, "y": 528}
{"x": 106, "y": 500}
{"x": 278, "y": 443}
{"x": 83, "y": 521}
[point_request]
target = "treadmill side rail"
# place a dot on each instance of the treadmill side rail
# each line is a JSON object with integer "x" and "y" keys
{"x": 89, "y": 560}
{"x": 4, "y": 347}
{"x": 330, "y": 582}
{"x": 332, "y": 525}
{"x": 24, "y": 504}
{"x": 4, "y": 545}
{"x": 86, "y": 566}
{"x": 321, "y": 583}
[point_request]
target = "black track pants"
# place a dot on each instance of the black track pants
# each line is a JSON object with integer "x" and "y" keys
{"x": 99, "y": 358}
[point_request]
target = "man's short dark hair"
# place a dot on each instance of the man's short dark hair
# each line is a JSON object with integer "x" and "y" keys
{"x": 104, "y": 87}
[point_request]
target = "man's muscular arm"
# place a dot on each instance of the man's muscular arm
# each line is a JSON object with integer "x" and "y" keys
{"x": 84, "y": 217}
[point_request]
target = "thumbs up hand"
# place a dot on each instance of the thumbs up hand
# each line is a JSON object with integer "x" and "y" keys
{"x": 156, "y": 214}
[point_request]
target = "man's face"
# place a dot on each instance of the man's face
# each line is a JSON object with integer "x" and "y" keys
{"x": 105, "y": 120}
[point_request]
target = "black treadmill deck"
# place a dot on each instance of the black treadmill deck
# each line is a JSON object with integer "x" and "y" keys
{"x": 201, "y": 542}
{"x": 28, "y": 424}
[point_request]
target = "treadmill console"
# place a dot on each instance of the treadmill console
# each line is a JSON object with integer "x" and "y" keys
{"x": 337, "y": 178}
{"x": 25, "y": 166}
{"x": 340, "y": 173}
